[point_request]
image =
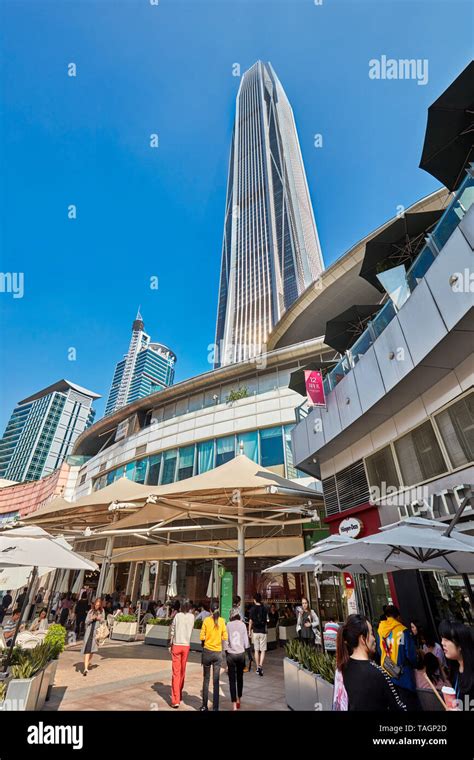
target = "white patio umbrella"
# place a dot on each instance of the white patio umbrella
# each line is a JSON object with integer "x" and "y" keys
{"x": 108, "y": 587}
{"x": 12, "y": 578}
{"x": 324, "y": 557}
{"x": 172, "y": 589}
{"x": 413, "y": 543}
{"x": 79, "y": 582}
{"x": 145, "y": 587}
{"x": 32, "y": 547}
{"x": 213, "y": 587}
{"x": 63, "y": 583}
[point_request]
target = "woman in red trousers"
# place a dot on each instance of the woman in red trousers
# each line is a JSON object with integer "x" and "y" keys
{"x": 180, "y": 642}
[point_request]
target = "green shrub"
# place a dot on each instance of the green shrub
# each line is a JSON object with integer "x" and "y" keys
{"x": 126, "y": 619}
{"x": 235, "y": 395}
{"x": 311, "y": 659}
{"x": 159, "y": 621}
{"x": 28, "y": 662}
{"x": 3, "y": 690}
{"x": 56, "y": 639}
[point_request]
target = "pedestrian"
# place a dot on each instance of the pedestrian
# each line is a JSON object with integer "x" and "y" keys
{"x": 457, "y": 641}
{"x": 397, "y": 654}
{"x": 273, "y": 615}
{"x": 21, "y": 598}
{"x": 180, "y": 642}
{"x": 235, "y": 647}
{"x": 65, "y": 608}
{"x": 40, "y": 623}
{"x": 81, "y": 609}
{"x": 258, "y": 619}
{"x": 94, "y": 618}
{"x": 6, "y": 602}
{"x": 307, "y": 623}
{"x": 368, "y": 686}
{"x": 237, "y": 605}
{"x": 10, "y": 626}
{"x": 213, "y": 633}
{"x": 417, "y": 633}
{"x": 204, "y": 613}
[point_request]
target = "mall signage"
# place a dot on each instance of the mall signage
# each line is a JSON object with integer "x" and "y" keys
{"x": 350, "y": 526}
{"x": 314, "y": 388}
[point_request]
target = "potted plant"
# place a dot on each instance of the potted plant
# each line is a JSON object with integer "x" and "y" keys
{"x": 324, "y": 665}
{"x": 309, "y": 677}
{"x": 125, "y": 628}
{"x": 287, "y": 629}
{"x": 25, "y": 689}
{"x": 157, "y": 631}
{"x": 56, "y": 640}
{"x": 196, "y": 636}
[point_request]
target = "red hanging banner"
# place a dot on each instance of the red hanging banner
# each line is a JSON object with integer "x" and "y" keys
{"x": 314, "y": 388}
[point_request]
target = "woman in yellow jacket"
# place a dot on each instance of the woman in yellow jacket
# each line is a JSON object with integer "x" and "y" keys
{"x": 213, "y": 633}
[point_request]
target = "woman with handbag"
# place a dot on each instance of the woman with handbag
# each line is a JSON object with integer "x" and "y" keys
{"x": 307, "y": 623}
{"x": 95, "y": 618}
{"x": 365, "y": 685}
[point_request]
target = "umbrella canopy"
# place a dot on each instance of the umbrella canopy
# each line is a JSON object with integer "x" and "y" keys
{"x": 297, "y": 380}
{"x": 342, "y": 331}
{"x": 108, "y": 587}
{"x": 63, "y": 584}
{"x": 172, "y": 589}
{"x": 211, "y": 493}
{"x": 32, "y": 546}
{"x": 416, "y": 541}
{"x": 145, "y": 587}
{"x": 78, "y": 583}
{"x": 323, "y": 556}
{"x": 12, "y": 578}
{"x": 448, "y": 146}
{"x": 399, "y": 243}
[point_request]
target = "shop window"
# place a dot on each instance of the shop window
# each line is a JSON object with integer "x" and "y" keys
{"x": 381, "y": 470}
{"x": 271, "y": 449}
{"x": 205, "y": 456}
{"x": 419, "y": 455}
{"x": 186, "y": 462}
{"x": 250, "y": 444}
{"x": 140, "y": 471}
{"x": 456, "y": 426}
{"x": 225, "y": 449}
{"x": 154, "y": 470}
{"x": 169, "y": 466}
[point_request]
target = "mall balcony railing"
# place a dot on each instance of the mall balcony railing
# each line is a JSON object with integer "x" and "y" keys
{"x": 435, "y": 242}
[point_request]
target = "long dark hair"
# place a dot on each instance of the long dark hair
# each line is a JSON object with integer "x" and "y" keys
{"x": 215, "y": 613}
{"x": 348, "y": 638}
{"x": 463, "y": 637}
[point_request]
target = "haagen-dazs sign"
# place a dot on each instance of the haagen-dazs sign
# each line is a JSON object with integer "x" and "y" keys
{"x": 351, "y": 527}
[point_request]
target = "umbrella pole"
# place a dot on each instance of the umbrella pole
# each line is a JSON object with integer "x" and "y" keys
{"x": 468, "y": 586}
{"x": 52, "y": 593}
{"x": 241, "y": 550}
{"x": 32, "y": 580}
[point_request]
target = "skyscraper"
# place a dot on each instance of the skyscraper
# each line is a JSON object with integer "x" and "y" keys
{"x": 271, "y": 250}
{"x": 146, "y": 367}
{"x": 42, "y": 430}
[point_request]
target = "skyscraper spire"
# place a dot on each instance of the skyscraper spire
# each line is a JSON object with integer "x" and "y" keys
{"x": 270, "y": 251}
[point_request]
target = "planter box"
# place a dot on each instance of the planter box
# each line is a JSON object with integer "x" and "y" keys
{"x": 272, "y": 641}
{"x": 325, "y": 694}
{"x": 50, "y": 671}
{"x": 292, "y": 692}
{"x": 23, "y": 693}
{"x": 287, "y": 632}
{"x": 308, "y": 690}
{"x": 196, "y": 640}
{"x": 124, "y": 631}
{"x": 158, "y": 635}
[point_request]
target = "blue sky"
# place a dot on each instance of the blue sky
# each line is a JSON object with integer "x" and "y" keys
{"x": 144, "y": 212}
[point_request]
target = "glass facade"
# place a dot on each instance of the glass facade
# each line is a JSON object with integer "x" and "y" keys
{"x": 269, "y": 447}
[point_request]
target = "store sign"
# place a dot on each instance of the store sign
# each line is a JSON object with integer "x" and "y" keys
{"x": 227, "y": 590}
{"x": 314, "y": 388}
{"x": 350, "y": 526}
{"x": 350, "y": 595}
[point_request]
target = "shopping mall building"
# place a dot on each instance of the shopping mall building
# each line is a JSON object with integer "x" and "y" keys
{"x": 396, "y": 436}
{"x": 203, "y": 422}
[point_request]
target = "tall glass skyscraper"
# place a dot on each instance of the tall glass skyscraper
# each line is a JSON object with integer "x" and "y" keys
{"x": 271, "y": 250}
{"x": 146, "y": 367}
{"x": 42, "y": 430}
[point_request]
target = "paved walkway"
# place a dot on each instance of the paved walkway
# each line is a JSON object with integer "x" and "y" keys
{"x": 137, "y": 676}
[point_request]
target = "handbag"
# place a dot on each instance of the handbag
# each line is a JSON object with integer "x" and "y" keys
{"x": 389, "y": 665}
{"x": 102, "y": 633}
